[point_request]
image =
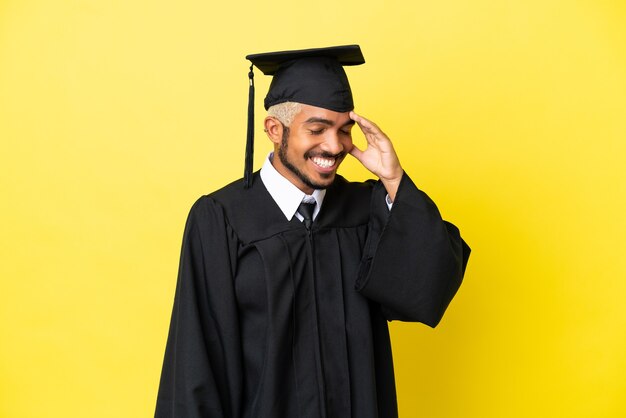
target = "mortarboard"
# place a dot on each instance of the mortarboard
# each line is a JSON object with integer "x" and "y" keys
{"x": 310, "y": 76}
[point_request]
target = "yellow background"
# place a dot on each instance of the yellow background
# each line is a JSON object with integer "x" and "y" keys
{"x": 116, "y": 115}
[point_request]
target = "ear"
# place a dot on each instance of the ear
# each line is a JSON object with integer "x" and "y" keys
{"x": 273, "y": 129}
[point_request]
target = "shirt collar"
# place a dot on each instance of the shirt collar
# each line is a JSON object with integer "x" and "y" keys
{"x": 286, "y": 195}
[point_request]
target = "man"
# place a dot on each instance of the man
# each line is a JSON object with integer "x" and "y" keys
{"x": 289, "y": 276}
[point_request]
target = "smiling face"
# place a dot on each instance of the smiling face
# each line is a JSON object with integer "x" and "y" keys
{"x": 312, "y": 148}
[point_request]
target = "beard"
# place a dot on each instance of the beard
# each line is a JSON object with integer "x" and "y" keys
{"x": 284, "y": 159}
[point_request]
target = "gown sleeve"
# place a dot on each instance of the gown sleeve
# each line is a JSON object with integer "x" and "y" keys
{"x": 201, "y": 374}
{"x": 414, "y": 261}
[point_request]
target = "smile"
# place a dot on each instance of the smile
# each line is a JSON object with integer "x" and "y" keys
{"x": 323, "y": 162}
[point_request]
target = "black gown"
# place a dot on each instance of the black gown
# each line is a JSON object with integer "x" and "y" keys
{"x": 273, "y": 321}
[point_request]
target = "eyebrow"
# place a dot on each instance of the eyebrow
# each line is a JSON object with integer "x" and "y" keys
{"x": 327, "y": 122}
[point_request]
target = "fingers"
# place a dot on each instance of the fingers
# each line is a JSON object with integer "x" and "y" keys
{"x": 367, "y": 126}
{"x": 372, "y": 132}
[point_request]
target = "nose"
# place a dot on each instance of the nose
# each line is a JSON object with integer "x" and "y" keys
{"x": 333, "y": 143}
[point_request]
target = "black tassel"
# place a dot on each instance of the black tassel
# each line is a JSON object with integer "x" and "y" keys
{"x": 247, "y": 172}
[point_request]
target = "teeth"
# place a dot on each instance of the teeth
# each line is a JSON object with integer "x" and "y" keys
{"x": 324, "y": 162}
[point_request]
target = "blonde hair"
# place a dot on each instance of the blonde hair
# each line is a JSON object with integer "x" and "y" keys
{"x": 285, "y": 112}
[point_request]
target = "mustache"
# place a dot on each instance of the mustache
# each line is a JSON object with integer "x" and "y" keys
{"x": 324, "y": 154}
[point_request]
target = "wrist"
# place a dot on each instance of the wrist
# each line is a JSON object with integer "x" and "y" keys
{"x": 392, "y": 184}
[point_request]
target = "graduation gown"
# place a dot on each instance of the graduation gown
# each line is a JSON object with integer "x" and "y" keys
{"x": 271, "y": 320}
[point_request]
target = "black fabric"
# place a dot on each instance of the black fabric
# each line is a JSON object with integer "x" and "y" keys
{"x": 311, "y": 76}
{"x": 263, "y": 327}
{"x": 270, "y": 62}
{"x": 247, "y": 171}
{"x": 320, "y": 82}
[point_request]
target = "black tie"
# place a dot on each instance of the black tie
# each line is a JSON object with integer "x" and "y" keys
{"x": 306, "y": 209}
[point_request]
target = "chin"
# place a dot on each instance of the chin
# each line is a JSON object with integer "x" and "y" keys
{"x": 319, "y": 181}
{"x": 327, "y": 178}
{"x": 325, "y": 181}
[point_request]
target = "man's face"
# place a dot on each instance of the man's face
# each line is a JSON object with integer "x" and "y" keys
{"x": 315, "y": 145}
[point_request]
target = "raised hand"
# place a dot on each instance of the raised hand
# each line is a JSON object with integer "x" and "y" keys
{"x": 379, "y": 157}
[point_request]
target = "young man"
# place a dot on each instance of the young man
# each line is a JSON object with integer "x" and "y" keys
{"x": 289, "y": 276}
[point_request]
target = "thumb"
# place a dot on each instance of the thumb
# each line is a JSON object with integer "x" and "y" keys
{"x": 356, "y": 152}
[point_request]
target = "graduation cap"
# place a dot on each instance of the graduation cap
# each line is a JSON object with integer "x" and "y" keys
{"x": 309, "y": 76}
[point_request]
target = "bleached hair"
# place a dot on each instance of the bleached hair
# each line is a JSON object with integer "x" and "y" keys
{"x": 285, "y": 112}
